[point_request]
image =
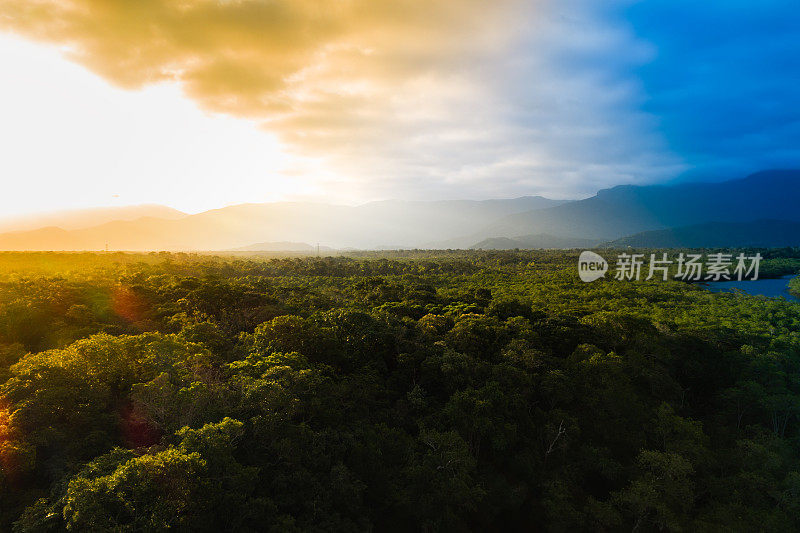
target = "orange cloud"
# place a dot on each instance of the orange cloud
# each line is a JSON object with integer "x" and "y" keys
{"x": 360, "y": 84}
{"x": 247, "y": 57}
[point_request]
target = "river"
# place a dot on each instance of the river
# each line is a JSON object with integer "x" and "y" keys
{"x": 774, "y": 287}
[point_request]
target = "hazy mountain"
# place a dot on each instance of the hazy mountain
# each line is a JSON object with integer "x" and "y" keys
{"x": 761, "y": 233}
{"x": 629, "y": 209}
{"x": 529, "y": 242}
{"x": 609, "y": 215}
{"x": 86, "y": 218}
{"x": 403, "y": 224}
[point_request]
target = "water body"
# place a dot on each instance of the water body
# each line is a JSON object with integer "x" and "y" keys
{"x": 771, "y": 288}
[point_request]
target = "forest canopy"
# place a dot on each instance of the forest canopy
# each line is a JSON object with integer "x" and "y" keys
{"x": 446, "y": 391}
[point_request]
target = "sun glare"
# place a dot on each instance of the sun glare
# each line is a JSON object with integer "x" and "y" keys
{"x": 71, "y": 140}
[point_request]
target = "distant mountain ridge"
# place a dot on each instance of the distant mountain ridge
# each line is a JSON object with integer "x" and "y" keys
{"x": 407, "y": 224}
{"x": 526, "y": 222}
{"x": 760, "y": 233}
{"x": 87, "y": 218}
{"x": 629, "y": 209}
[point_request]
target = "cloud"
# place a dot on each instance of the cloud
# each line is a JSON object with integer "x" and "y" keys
{"x": 397, "y": 97}
{"x": 246, "y": 56}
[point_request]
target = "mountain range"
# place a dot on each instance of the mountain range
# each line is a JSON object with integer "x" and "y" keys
{"x": 713, "y": 214}
{"x": 86, "y": 218}
{"x": 396, "y": 224}
{"x": 761, "y": 233}
{"x": 628, "y": 209}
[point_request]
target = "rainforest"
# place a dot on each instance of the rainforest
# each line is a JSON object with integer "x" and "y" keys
{"x": 394, "y": 391}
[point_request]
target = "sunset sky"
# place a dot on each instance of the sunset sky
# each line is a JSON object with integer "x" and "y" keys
{"x": 198, "y": 104}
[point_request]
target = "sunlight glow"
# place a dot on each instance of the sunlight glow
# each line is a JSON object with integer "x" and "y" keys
{"x": 68, "y": 139}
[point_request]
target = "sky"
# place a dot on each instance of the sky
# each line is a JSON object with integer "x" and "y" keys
{"x": 197, "y": 104}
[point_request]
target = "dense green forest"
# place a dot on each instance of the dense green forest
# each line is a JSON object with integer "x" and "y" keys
{"x": 407, "y": 391}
